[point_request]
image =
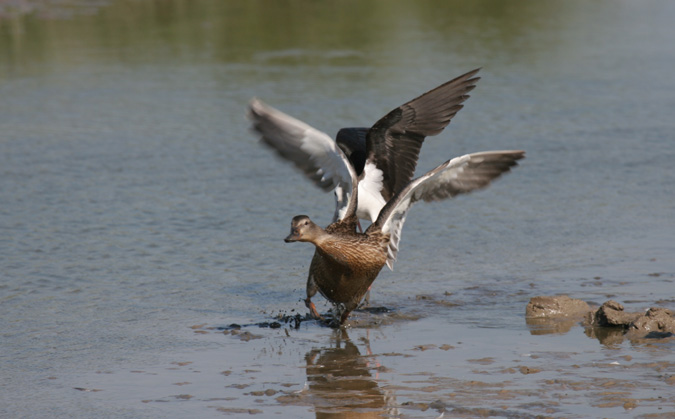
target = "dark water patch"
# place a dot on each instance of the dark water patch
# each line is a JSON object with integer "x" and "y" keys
{"x": 362, "y": 317}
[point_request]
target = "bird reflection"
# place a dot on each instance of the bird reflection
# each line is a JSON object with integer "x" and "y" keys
{"x": 341, "y": 382}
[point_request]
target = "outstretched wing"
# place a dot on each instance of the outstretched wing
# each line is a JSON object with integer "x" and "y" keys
{"x": 394, "y": 142}
{"x": 310, "y": 150}
{"x": 457, "y": 176}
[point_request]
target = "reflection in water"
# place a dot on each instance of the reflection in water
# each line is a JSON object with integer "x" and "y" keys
{"x": 608, "y": 336}
{"x": 41, "y": 35}
{"x": 341, "y": 384}
{"x": 547, "y": 326}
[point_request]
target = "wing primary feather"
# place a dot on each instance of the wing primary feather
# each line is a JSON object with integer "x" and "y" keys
{"x": 394, "y": 142}
{"x": 310, "y": 150}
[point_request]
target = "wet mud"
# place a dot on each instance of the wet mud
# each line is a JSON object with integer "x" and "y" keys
{"x": 655, "y": 322}
{"x": 362, "y": 317}
{"x": 556, "y": 307}
{"x": 609, "y": 323}
{"x": 350, "y": 379}
{"x": 554, "y": 314}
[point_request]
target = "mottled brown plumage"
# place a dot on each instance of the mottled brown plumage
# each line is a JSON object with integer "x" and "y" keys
{"x": 345, "y": 262}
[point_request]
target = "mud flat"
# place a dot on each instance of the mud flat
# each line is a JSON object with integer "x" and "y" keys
{"x": 371, "y": 371}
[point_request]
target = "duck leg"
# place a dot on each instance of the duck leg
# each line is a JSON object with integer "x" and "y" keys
{"x": 312, "y": 309}
{"x": 343, "y": 316}
{"x": 311, "y": 292}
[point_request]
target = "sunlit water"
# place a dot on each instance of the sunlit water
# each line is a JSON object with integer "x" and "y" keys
{"x": 140, "y": 217}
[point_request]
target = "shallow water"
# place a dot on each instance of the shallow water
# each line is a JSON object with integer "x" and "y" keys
{"x": 140, "y": 218}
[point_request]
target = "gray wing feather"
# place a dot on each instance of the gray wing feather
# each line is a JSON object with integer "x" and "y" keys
{"x": 310, "y": 150}
{"x": 457, "y": 176}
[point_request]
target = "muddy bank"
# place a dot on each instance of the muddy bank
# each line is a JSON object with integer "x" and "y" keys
{"x": 609, "y": 322}
{"x": 656, "y": 320}
{"x": 554, "y": 314}
{"x": 556, "y": 307}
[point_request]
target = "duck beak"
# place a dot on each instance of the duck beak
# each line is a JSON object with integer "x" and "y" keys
{"x": 293, "y": 237}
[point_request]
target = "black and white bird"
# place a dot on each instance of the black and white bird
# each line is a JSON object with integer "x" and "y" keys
{"x": 384, "y": 157}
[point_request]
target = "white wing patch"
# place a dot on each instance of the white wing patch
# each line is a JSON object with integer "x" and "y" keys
{"x": 370, "y": 193}
{"x": 342, "y": 198}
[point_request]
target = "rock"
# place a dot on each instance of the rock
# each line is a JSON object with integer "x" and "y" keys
{"x": 611, "y": 323}
{"x": 611, "y": 314}
{"x": 556, "y": 306}
{"x": 557, "y": 314}
{"x": 656, "y": 319}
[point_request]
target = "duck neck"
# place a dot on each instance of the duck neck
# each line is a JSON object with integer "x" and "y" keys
{"x": 319, "y": 236}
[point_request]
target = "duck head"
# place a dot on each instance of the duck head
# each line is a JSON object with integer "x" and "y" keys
{"x": 302, "y": 230}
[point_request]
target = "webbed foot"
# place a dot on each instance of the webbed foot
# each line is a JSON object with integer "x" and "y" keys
{"x": 312, "y": 309}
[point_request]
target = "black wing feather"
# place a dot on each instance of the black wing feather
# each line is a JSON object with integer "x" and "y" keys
{"x": 394, "y": 142}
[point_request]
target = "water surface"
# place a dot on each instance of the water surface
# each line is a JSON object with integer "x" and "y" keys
{"x": 140, "y": 217}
